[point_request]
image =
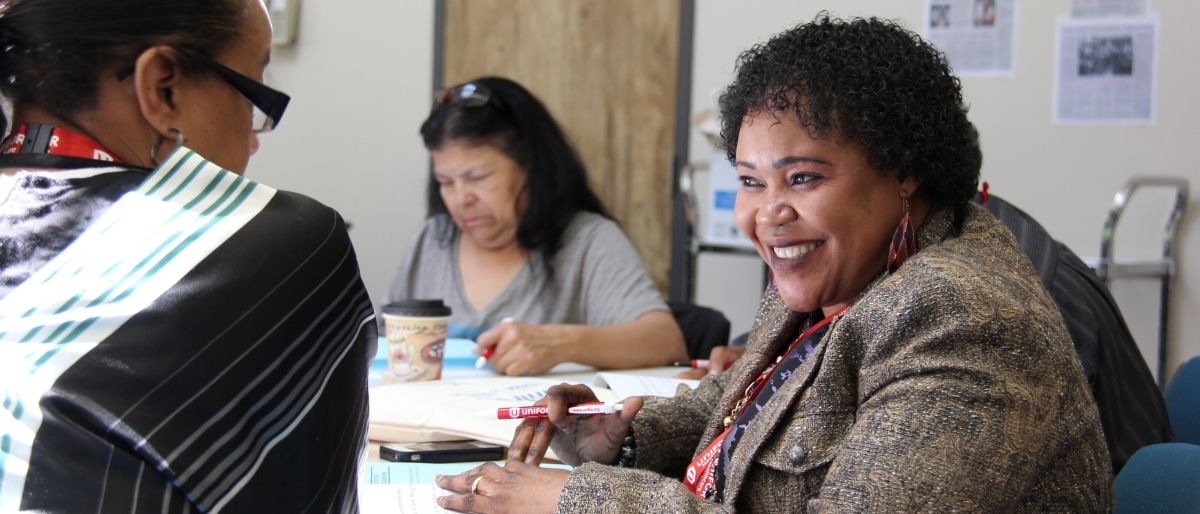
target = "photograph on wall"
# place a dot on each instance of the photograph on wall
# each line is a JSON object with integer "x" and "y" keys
{"x": 1106, "y": 70}
{"x": 977, "y": 36}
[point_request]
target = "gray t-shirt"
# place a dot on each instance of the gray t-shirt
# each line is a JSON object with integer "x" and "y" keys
{"x": 598, "y": 280}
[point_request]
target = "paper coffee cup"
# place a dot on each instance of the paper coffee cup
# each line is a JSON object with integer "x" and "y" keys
{"x": 416, "y": 335}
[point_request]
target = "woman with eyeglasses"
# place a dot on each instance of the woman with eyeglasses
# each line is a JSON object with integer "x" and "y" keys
{"x": 521, "y": 249}
{"x": 173, "y": 336}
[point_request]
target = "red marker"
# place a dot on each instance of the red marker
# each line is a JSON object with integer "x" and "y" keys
{"x": 541, "y": 411}
{"x": 487, "y": 352}
{"x": 484, "y": 356}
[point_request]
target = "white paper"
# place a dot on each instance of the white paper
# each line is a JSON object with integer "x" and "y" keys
{"x": 1106, "y": 70}
{"x": 391, "y": 499}
{"x": 977, "y": 36}
{"x": 720, "y": 226}
{"x": 1098, "y": 8}
{"x": 445, "y": 410}
{"x": 625, "y": 385}
{"x": 396, "y": 487}
{"x": 391, "y": 487}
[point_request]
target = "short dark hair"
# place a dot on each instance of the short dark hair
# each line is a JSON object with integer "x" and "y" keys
{"x": 873, "y": 83}
{"x": 516, "y": 123}
{"x": 52, "y": 52}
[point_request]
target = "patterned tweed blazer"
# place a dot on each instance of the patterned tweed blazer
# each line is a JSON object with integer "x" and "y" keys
{"x": 948, "y": 385}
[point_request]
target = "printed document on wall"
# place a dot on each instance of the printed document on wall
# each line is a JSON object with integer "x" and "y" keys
{"x": 1107, "y": 70}
{"x": 1098, "y": 8}
{"x": 977, "y": 36}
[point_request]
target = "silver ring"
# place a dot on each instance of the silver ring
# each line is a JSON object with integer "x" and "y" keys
{"x": 475, "y": 485}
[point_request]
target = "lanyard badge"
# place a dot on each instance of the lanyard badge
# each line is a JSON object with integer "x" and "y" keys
{"x": 45, "y": 139}
{"x": 700, "y": 477}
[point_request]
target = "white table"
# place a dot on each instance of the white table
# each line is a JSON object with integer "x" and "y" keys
{"x": 460, "y": 363}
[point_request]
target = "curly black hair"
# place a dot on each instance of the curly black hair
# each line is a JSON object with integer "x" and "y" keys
{"x": 871, "y": 82}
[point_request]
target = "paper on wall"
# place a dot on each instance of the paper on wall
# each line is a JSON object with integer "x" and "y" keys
{"x": 1098, "y": 8}
{"x": 1106, "y": 70}
{"x": 977, "y": 36}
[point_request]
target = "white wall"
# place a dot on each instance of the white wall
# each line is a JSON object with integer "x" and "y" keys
{"x": 360, "y": 76}
{"x": 1063, "y": 176}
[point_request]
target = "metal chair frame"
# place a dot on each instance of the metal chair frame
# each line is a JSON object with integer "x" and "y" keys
{"x": 1163, "y": 269}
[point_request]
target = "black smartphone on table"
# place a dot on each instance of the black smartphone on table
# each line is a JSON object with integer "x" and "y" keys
{"x": 441, "y": 451}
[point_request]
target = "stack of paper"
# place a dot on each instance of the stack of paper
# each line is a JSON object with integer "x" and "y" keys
{"x": 446, "y": 410}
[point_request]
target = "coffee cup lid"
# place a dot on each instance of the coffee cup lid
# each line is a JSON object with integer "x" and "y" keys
{"x": 416, "y": 307}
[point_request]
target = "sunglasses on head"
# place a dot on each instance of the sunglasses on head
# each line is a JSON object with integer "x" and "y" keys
{"x": 269, "y": 104}
{"x": 466, "y": 95}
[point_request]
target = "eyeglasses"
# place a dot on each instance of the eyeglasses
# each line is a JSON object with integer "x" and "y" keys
{"x": 467, "y": 95}
{"x": 269, "y": 103}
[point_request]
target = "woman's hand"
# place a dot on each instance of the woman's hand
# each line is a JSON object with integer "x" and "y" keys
{"x": 575, "y": 439}
{"x": 719, "y": 360}
{"x": 653, "y": 339}
{"x": 516, "y": 487}
{"x": 523, "y": 349}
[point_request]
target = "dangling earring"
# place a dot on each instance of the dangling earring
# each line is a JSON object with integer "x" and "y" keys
{"x": 179, "y": 140}
{"x": 904, "y": 242}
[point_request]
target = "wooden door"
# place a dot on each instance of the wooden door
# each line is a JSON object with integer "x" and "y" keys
{"x": 607, "y": 71}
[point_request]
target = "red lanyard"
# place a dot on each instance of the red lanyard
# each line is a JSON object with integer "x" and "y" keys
{"x": 46, "y": 139}
{"x": 700, "y": 477}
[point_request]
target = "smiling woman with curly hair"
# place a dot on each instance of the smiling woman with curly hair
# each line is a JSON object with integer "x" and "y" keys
{"x": 871, "y": 83}
{"x": 905, "y": 358}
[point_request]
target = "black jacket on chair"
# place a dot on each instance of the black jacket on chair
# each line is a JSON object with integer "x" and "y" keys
{"x": 1131, "y": 406}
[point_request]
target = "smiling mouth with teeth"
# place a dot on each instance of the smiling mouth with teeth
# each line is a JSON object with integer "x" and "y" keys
{"x": 795, "y": 251}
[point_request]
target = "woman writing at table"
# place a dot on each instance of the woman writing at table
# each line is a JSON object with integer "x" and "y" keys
{"x": 515, "y": 232}
{"x": 907, "y": 358}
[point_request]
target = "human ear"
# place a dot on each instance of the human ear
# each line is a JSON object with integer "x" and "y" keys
{"x": 908, "y": 186}
{"x": 156, "y": 75}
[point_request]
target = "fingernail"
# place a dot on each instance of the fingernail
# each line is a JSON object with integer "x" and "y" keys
{"x": 438, "y": 479}
{"x": 441, "y": 501}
